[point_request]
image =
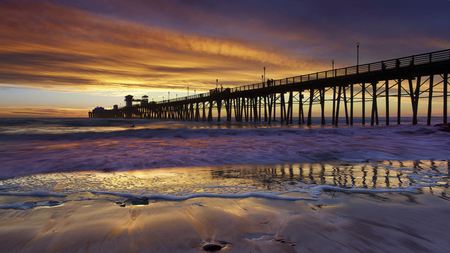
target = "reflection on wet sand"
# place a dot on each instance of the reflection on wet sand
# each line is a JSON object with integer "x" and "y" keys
{"x": 434, "y": 175}
{"x": 427, "y": 176}
{"x": 382, "y": 222}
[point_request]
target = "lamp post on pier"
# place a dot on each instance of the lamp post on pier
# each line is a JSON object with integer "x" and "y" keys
{"x": 357, "y": 57}
{"x": 332, "y": 67}
{"x": 264, "y": 75}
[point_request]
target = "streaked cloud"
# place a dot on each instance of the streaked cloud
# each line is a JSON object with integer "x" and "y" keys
{"x": 68, "y": 49}
{"x": 11, "y": 112}
{"x": 113, "y": 47}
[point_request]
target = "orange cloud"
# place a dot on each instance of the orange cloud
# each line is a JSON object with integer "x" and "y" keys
{"x": 54, "y": 47}
{"x": 8, "y": 112}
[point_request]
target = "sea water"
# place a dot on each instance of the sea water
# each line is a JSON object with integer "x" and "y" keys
{"x": 47, "y": 162}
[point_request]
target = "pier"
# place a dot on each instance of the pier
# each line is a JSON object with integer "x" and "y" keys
{"x": 362, "y": 93}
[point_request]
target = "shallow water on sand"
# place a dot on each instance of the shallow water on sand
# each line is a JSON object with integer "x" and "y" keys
{"x": 387, "y": 206}
{"x": 143, "y": 186}
{"x": 78, "y": 145}
{"x": 299, "y": 181}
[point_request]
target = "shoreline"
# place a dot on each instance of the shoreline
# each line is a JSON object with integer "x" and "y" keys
{"x": 390, "y": 206}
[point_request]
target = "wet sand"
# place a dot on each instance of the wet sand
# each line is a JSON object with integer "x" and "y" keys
{"x": 388, "y": 222}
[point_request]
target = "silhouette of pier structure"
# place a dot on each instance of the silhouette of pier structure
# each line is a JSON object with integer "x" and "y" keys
{"x": 385, "y": 86}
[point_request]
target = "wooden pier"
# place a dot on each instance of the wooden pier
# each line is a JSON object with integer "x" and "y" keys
{"x": 384, "y": 86}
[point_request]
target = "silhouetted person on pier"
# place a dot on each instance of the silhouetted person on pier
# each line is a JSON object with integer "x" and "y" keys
{"x": 397, "y": 63}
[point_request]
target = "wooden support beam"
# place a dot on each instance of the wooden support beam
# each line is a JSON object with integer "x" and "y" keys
{"x": 288, "y": 110}
{"x": 274, "y": 107}
{"x": 417, "y": 95}
{"x": 265, "y": 108}
{"x": 414, "y": 93}
{"x": 250, "y": 109}
{"x": 244, "y": 109}
{"x": 351, "y": 104}
{"x": 291, "y": 106}
{"x": 338, "y": 102}
{"x": 387, "y": 101}
{"x": 445, "y": 97}
{"x": 374, "y": 104}
{"x": 239, "y": 108}
{"x": 259, "y": 109}
{"x": 430, "y": 99}
{"x": 234, "y": 108}
{"x": 197, "y": 112}
{"x": 255, "y": 109}
{"x": 301, "y": 116}
{"x": 204, "y": 111}
{"x": 363, "y": 106}
{"x": 228, "y": 109}
{"x": 344, "y": 89}
{"x": 311, "y": 100}
{"x": 219, "y": 109}
{"x": 333, "y": 121}
{"x": 282, "y": 108}
{"x": 269, "y": 107}
{"x": 399, "y": 100}
{"x": 210, "y": 110}
{"x": 322, "y": 106}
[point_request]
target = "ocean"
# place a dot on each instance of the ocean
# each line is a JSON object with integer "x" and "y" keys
{"x": 72, "y": 168}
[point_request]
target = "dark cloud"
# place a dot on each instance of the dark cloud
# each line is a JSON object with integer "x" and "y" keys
{"x": 324, "y": 28}
{"x": 25, "y": 78}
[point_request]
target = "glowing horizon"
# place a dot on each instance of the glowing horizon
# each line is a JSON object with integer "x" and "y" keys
{"x": 59, "y": 58}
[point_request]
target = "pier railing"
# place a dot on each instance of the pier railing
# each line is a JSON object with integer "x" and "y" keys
{"x": 403, "y": 62}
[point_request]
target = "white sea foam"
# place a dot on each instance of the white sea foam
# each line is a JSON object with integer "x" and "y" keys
{"x": 314, "y": 192}
{"x": 288, "y": 183}
{"x": 167, "y": 197}
{"x": 39, "y": 194}
{"x": 319, "y": 189}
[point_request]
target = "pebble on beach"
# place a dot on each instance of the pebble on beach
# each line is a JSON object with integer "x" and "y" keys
{"x": 214, "y": 246}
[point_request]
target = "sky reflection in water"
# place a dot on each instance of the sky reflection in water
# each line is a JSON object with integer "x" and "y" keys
{"x": 429, "y": 176}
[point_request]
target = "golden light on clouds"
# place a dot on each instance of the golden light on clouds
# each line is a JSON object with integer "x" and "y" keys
{"x": 86, "y": 53}
{"x": 8, "y": 112}
{"x": 67, "y": 49}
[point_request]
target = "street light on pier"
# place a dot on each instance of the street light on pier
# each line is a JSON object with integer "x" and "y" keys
{"x": 264, "y": 75}
{"x": 357, "y": 57}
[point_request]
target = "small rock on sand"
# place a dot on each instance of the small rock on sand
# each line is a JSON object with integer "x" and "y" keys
{"x": 214, "y": 246}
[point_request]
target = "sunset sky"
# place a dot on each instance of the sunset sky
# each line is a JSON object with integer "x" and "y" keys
{"x": 61, "y": 58}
